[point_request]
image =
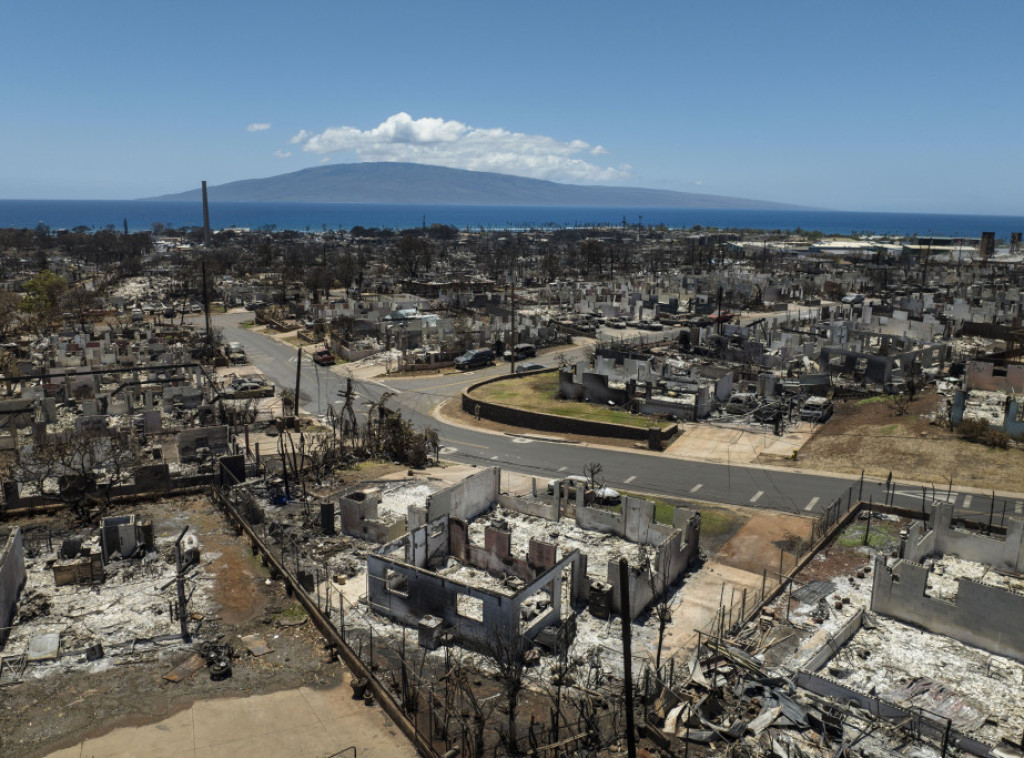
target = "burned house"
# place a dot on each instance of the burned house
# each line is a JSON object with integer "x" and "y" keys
{"x": 975, "y": 610}
{"x": 475, "y": 562}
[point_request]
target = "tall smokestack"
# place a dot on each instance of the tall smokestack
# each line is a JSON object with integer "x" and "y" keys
{"x": 206, "y": 217}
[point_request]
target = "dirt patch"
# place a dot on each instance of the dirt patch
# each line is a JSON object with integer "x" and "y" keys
{"x": 869, "y": 436}
{"x": 759, "y": 542}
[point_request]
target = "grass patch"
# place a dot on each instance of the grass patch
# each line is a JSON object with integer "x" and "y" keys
{"x": 874, "y": 399}
{"x": 247, "y": 324}
{"x": 716, "y": 522}
{"x": 890, "y": 429}
{"x": 293, "y": 612}
{"x": 884, "y": 536}
{"x": 539, "y": 393}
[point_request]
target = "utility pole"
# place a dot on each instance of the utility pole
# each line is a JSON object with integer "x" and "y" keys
{"x": 512, "y": 366}
{"x": 298, "y": 380}
{"x": 627, "y": 655}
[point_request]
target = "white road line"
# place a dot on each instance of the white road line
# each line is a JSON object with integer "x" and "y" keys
{"x": 695, "y": 488}
{"x": 967, "y": 501}
{"x": 757, "y": 496}
{"x": 381, "y": 384}
{"x": 810, "y": 505}
{"x": 631, "y": 479}
{"x": 562, "y": 469}
{"x": 494, "y": 457}
{"x": 1018, "y": 508}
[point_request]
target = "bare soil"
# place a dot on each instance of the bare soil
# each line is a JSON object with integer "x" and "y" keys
{"x": 758, "y": 543}
{"x": 871, "y": 437}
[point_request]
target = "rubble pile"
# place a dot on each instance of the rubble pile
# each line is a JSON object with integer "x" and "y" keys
{"x": 566, "y": 534}
{"x": 126, "y": 612}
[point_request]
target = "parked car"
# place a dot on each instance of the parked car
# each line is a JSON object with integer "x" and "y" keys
{"x": 478, "y": 358}
{"x": 522, "y": 368}
{"x": 740, "y": 403}
{"x": 853, "y": 299}
{"x": 816, "y": 409}
{"x": 235, "y": 352}
{"x": 324, "y": 358}
{"x": 520, "y": 351}
{"x": 615, "y": 323}
{"x": 574, "y": 481}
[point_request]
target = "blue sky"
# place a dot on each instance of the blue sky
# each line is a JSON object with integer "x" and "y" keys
{"x": 904, "y": 105}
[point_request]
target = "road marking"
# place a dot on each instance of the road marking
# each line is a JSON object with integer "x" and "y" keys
{"x": 381, "y": 384}
{"x": 1018, "y": 508}
{"x": 562, "y": 469}
{"x": 810, "y": 505}
{"x": 521, "y": 440}
{"x": 473, "y": 444}
{"x": 447, "y": 450}
{"x": 494, "y": 457}
{"x": 695, "y": 488}
{"x": 967, "y": 501}
{"x": 757, "y": 496}
{"x": 631, "y": 479}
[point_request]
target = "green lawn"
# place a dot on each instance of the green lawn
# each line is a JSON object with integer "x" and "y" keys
{"x": 538, "y": 393}
{"x": 885, "y": 535}
{"x": 873, "y": 399}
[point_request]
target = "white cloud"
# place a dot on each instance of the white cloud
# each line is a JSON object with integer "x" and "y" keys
{"x": 257, "y": 127}
{"x": 439, "y": 142}
{"x": 282, "y": 153}
{"x": 324, "y": 160}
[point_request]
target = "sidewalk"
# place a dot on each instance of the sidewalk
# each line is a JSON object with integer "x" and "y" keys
{"x": 306, "y": 722}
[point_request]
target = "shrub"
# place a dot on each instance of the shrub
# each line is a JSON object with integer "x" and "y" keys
{"x": 975, "y": 430}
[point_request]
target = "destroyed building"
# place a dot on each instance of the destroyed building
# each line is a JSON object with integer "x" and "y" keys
{"x": 476, "y": 562}
{"x": 975, "y": 611}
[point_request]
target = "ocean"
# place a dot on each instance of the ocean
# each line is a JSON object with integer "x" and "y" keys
{"x": 142, "y": 214}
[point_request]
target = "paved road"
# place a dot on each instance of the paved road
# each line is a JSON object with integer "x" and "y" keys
{"x": 748, "y": 485}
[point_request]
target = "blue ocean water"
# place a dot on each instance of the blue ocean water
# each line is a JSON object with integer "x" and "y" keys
{"x": 142, "y": 214}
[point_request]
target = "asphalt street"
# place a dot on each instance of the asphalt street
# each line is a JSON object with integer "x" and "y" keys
{"x": 640, "y": 471}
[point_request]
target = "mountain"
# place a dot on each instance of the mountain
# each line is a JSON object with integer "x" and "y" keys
{"x": 436, "y": 185}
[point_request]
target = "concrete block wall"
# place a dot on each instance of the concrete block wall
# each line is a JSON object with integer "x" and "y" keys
{"x": 984, "y": 376}
{"x": 679, "y": 547}
{"x": 941, "y": 538}
{"x": 12, "y": 579}
{"x": 408, "y": 590}
{"x": 987, "y": 617}
{"x": 359, "y": 517}
{"x": 468, "y": 499}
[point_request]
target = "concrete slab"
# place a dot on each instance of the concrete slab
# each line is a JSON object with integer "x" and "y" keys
{"x": 44, "y": 647}
{"x": 727, "y": 444}
{"x": 171, "y": 737}
{"x": 263, "y": 716}
{"x": 304, "y": 721}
